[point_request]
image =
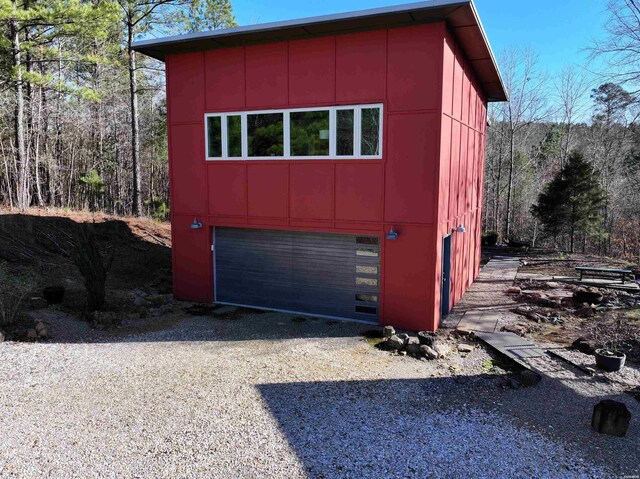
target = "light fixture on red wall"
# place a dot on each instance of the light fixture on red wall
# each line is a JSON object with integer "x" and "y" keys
{"x": 392, "y": 235}
{"x": 459, "y": 229}
{"x": 196, "y": 225}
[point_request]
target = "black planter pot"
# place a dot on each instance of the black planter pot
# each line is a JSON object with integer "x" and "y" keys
{"x": 610, "y": 360}
{"x": 53, "y": 294}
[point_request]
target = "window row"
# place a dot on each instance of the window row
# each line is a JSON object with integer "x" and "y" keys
{"x": 332, "y": 132}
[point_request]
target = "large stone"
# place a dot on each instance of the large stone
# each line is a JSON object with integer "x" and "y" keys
{"x": 584, "y": 346}
{"x": 513, "y": 290}
{"x": 428, "y": 352}
{"x": 42, "y": 329}
{"x": 585, "y": 311}
{"x": 32, "y": 334}
{"x": 388, "y": 331}
{"x": 465, "y": 348}
{"x": 37, "y": 302}
{"x": 443, "y": 349}
{"x": 413, "y": 347}
{"x": 553, "y": 285}
{"x": 590, "y": 296}
{"x": 2, "y": 336}
{"x": 611, "y": 417}
{"x": 395, "y": 343}
{"x": 529, "y": 378}
{"x": 426, "y": 337}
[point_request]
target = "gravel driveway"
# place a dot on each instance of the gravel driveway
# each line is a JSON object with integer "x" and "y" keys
{"x": 267, "y": 397}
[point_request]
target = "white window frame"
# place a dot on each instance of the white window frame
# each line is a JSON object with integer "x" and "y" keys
{"x": 357, "y": 140}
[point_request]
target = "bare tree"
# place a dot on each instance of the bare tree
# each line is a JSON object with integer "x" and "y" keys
{"x": 525, "y": 85}
{"x": 571, "y": 89}
{"x": 621, "y": 47}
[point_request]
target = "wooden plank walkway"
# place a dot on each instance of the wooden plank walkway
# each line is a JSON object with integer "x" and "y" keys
{"x": 513, "y": 346}
{"x": 484, "y": 302}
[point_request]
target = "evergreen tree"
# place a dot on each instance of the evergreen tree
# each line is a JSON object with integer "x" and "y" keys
{"x": 571, "y": 203}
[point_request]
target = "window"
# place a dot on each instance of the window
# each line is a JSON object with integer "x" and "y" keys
{"x": 309, "y": 133}
{"x": 214, "y": 136}
{"x": 370, "y": 131}
{"x": 234, "y": 136}
{"x": 344, "y": 132}
{"x": 304, "y": 133}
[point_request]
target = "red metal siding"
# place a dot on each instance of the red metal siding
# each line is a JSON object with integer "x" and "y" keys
{"x": 361, "y": 67}
{"x": 266, "y": 75}
{"x": 312, "y": 71}
{"x": 461, "y": 169}
{"x": 430, "y": 157}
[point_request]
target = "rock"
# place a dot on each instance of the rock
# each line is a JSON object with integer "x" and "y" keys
{"x": 426, "y": 337}
{"x": 32, "y": 334}
{"x": 463, "y": 332}
{"x": 584, "y": 346}
{"x": 611, "y": 417}
{"x": 104, "y": 318}
{"x": 428, "y": 352}
{"x": 585, "y": 311}
{"x": 442, "y": 349}
{"x": 529, "y": 378}
{"x": 590, "y": 296}
{"x": 549, "y": 303}
{"x": 413, "y": 348}
{"x": 140, "y": 293}
{"x": 404, "y": 337}
{"x": 395, "y": 343}
{"x": 465, "y": 348}
{"x": 402, "y": 353}
{"x": 42, "y": 329}
{"x": 388, "y": 331}
{"x": 517, "y": 328}
{"x": 162, "y": 310}
{"x": 513, "y": 290}
{"x": 513, "y": 383}
{"x": 553, "y": 285}
{"x": 2, "y": 336}
{"x": 140, "y": 302}
{"x": 37, "y": 302}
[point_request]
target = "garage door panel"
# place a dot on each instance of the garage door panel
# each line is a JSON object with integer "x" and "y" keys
{"x": 316, "y": 273}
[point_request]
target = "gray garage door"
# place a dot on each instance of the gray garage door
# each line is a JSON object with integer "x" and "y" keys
{"x": 317, "y": 273}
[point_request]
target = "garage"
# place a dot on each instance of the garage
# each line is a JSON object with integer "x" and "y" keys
{"x": 324, "y": 274}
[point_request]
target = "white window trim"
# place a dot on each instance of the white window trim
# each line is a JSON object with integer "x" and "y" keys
{"x": 286, "y": 133}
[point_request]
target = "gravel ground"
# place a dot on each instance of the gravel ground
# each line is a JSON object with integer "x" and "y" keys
{"x": 267, "y": 397}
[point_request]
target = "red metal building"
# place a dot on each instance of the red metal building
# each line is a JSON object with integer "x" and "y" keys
{"x": 332, "y": 165}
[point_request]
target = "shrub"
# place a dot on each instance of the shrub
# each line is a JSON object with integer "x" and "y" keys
{"x": 490, "y": 238}
{"x": 14, "y": 288}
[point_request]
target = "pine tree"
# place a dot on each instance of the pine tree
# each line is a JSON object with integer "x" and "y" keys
{"x": 571, "y": 203}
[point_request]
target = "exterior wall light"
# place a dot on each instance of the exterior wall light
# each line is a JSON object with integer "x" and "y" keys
{"x": 196, "y": 225}
{"x": 392, "y": 235}
{"x": 461, "y": 229}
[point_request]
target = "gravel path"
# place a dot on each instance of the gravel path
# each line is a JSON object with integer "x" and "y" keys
{"x": 266, "y": 397}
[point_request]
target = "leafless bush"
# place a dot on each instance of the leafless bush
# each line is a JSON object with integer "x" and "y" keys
{"x": 611, "y": 332}
{"x": 14, "y": 288}
{"x": 93, "y": 261}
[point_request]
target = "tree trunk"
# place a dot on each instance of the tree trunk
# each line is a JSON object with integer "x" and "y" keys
{"x": 22, "y": 196}
{"x": 135, "y": 130}
{"x": 507, "y": 221}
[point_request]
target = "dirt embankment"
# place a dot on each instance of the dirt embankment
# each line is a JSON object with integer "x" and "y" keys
{"x": 31, "y": 242}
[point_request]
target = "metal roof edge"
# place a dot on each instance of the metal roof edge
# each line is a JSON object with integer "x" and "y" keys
{"x": 298, "y": 22}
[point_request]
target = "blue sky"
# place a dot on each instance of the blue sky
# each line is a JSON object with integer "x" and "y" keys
{"x": 558, "y": 30}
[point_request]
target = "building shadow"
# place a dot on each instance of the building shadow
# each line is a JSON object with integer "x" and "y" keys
{"x": 447, "y": 428}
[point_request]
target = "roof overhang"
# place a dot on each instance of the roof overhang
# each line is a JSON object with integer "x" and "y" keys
{"x": 460, "y": 15}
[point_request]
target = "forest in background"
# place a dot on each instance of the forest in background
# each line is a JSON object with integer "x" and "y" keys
{"x": 83, "y": 121}
{"x": 531, "y": 137}
{"x": 82, "y": 116}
